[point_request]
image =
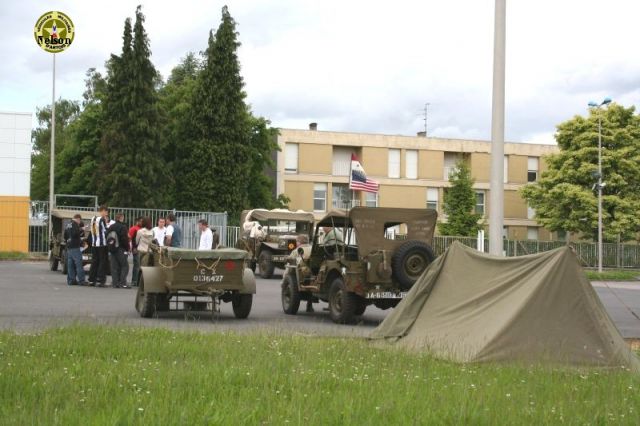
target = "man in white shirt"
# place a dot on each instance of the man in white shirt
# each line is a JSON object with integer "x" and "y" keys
{"x": 206, "y": 236}
{"x": 159, "y": 232}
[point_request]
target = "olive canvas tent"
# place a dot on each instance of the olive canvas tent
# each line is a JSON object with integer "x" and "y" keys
{"x": 472, "y": 307}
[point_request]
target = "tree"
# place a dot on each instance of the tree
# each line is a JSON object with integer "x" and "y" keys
{"x": 133, "y": 169}
{"x": 66, "y": 112}
{"x": 263, "y": 144}
{"x": 459, "y": 204}
{"x": 565, "y": 197}
{"x": 214, "y": 161}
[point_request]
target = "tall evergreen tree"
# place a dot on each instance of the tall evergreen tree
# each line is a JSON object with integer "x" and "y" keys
{"x": 133, "y": 168}
{"x": 215, "y": 161}
{"x": 459, "y": 204}
{"x": 263, "y": 144}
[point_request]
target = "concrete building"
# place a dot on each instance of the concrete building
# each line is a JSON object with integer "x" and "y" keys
{"x": 15, "y": 176}
{"x": 313, "y": 171}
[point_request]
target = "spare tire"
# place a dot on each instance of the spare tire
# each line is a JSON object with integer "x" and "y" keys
{"x": 410, "y": 261}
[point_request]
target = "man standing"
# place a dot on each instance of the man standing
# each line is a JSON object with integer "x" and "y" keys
{"x": 133, "y": 232}
{"x": 99, "y": 255}
{"x": 73, "y": 238}
{"x": 206, "y": 236}
{"x": 174, "y": 232}
{"x": 159, "y": 232}
{"x": 118, "y": 243}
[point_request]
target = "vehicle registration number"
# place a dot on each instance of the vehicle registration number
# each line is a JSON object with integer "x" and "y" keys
{"x": 279, "y": 258}
{"x": 203, "y": 278}
{"x": 386, "y": 295}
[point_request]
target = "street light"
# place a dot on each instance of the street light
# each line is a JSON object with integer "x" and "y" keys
{"x": 592, "y": 104}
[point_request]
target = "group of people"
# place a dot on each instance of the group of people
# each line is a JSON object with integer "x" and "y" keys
{"x": 111, "y": 243}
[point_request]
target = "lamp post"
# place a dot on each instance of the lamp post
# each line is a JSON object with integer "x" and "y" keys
{"x": 597, "y": 106}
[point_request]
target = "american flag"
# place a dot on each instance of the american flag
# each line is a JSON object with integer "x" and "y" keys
{"x": 359, "y": 180}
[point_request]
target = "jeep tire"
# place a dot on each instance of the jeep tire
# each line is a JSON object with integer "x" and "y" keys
{"x": 266, "y": 265}
{"x": 53, "y": 262}
{"x": 241, "y": 304}
{"x": 342, "y": 303}
{"x": 290, "y": 295}
{"x": 410, "y": 261}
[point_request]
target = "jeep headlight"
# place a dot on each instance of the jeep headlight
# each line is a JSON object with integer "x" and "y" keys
{"x": 291, "y": 245}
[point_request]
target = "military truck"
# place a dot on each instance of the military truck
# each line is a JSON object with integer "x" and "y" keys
{"x": 60, "y": 218}
{"x": 270, "y": 235}
{"x": 178, "y": 279}
{"x": 366, "y": 256}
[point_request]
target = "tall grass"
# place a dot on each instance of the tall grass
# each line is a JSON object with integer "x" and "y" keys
{"x": 108, "y": 375}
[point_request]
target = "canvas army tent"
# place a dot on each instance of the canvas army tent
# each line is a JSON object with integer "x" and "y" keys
{"x": 472, "y": 307}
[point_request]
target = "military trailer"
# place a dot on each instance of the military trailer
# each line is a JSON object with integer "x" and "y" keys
{"x": 360, "y": 257}
{"x": 270, "y": 235}
{"x": 178, "y": 279}
{"x": 60, "y": 218}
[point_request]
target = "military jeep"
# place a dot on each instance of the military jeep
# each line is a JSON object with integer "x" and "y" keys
{"x": 367, "y": 256}
{"x": 178, "y": 279}
{"x": 270, "y": 235}
{"x": 60, "y": 218}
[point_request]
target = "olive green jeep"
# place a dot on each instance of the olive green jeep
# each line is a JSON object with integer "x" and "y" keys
{"x": 270, "y": 235}
{"x": 360, "y": 257}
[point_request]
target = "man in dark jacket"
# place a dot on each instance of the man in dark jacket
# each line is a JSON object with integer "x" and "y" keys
{"x": 118, "y": 246}
{"x": 73, "y": 238}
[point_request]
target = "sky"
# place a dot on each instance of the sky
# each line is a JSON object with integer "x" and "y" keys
{"x": 360, "y": 66}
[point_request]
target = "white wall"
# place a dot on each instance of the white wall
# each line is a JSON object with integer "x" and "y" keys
{"x": 15, "y": 153}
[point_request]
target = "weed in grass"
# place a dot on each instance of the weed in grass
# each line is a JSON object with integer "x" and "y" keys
{"x": 105, "y": 375}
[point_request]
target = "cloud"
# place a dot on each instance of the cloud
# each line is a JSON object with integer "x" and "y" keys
{"x": 363, "y": 65}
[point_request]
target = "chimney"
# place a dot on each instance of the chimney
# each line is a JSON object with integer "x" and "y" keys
{"x": 313, "y": 126}
{"x": 422, "y": 134}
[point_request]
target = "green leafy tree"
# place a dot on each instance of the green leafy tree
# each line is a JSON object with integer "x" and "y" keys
{"x": 565, "y": 197}
{"x": 133, "y": 169}
{"x": 66, "y": 113}
{"x": 215, "y": 159}
{"x": 263, "y": 144}
{"x": 459, "y": 204}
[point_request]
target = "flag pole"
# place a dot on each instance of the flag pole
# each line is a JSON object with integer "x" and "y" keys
{"x": 53, "y": 146}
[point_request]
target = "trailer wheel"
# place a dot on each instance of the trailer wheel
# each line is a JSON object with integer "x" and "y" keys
{"x": 241, "y": 304}
{"x": 145, "y": 302}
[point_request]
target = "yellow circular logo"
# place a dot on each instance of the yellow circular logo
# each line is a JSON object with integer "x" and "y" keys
{"x": 54, "y": 32}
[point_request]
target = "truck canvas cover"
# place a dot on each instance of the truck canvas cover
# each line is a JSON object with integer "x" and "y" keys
{"x": 471, "y": 307}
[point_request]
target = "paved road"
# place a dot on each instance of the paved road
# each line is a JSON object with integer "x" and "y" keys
{"x": 32, "y": 297}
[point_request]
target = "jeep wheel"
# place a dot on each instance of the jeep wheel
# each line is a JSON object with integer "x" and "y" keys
{"x": 53, "y": 262}
{"x": 410, "y": 261}
{"x": 290, "y": 295}
{"x": 266, "y": 265}
{"x": 241, "y": 304}
{"x": 342, "y": 303}
{"x": 63, "y": 260}
{"x": 145, "y": 302}
{"x": 362, "y": 306}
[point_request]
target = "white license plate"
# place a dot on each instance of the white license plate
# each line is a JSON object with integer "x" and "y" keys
{"x": 386, "y": 295}
{"x": 279, "y": 258}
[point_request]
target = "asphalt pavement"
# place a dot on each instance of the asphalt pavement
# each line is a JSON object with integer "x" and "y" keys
{"x": 32, "y": 297}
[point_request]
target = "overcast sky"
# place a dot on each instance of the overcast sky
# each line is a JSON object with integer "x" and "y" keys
{"x": 361, "y": 66}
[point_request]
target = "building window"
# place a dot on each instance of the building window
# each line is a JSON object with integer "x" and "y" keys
{"x": 532, "y": 169}
{"x": 371, "y": 199}
{"x": 394, "y": 163}
{"x": 411, "y": 164}
{"x": 432, "y": 198}
{"x": 450, "y": 161}
{"x": 342, "y": 160}
{"x": 291, "y": 158}
{"x": 480, "y": 202}
{"x": 532, "y": 233}
{"x": 320, "y": 197}
{"x": 506, "y": 169}
{"x": 531, "y": 213}
{"x": 341, "y": 196}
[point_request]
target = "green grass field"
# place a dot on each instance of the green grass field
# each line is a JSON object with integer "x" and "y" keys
{"x": 108, "y": 375}
{"x": 613, "y": 275}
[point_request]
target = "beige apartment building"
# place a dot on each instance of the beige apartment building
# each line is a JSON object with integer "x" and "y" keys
{"x": 313, "y": 171}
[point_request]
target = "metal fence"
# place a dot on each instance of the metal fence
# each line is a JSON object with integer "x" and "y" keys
{"x": 187, "y": 220}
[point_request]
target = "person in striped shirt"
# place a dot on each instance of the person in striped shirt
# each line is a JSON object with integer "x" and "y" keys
{"x": 99, "y": 253}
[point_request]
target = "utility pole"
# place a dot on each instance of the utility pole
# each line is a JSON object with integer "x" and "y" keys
{"x": 496, "y": 199}
{"x": 426, "y": 116}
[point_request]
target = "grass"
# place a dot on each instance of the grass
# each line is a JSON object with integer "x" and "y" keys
{"x": 613, "y": 275}
{"x": 110, "y": 375}
{"x": 13, "y": 255}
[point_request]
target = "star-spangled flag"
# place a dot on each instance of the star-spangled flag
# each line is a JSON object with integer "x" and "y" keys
{"x": 358, "y": 180}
